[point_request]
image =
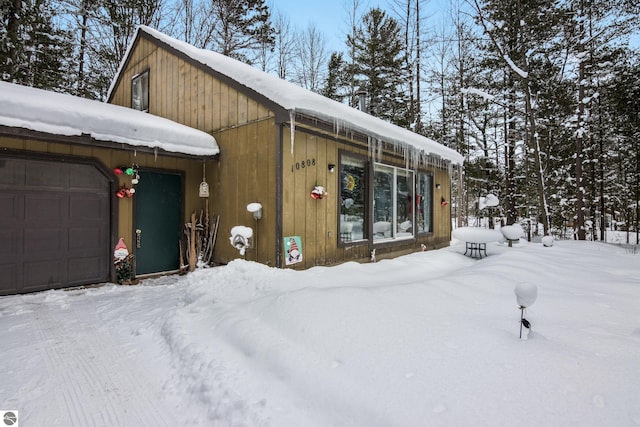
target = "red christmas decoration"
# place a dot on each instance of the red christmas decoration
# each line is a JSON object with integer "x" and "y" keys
{"x": 318, "y": 192}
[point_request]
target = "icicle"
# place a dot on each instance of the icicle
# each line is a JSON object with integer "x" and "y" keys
{"x": 155, "y": 154}
{"x": 292, "y": 119}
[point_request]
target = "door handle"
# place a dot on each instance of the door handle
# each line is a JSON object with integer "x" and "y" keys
{"x": 138, "y": 238}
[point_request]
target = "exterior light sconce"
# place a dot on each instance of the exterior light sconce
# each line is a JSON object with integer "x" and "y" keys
{"x": 437, "y": 186}
{"x": 332, "y": 167}
{"x": 255, "y": 209}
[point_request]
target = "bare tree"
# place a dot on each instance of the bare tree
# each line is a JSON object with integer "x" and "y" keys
{"x": 408, "y": 13}
{"x": 354, "y": 12}
{"x": 189, "y": 21}
{"x": 284, "y": 45}
{"x": 312, "y": 55}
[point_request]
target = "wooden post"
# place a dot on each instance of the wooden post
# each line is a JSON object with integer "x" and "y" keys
{"x": 192, "y": 247}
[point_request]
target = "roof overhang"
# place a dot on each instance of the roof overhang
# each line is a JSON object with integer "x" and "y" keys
{"x": 47, "y": 115}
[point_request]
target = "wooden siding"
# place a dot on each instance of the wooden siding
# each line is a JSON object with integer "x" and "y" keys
{"x": 316, "y": 221}
{"x": 245, "y": 171}
{"x": 184, "y": 93}
{"x": 112, "y": 158}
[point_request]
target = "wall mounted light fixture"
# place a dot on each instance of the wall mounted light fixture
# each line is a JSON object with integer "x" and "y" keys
{"x": 332, "y": 167}
{"x": 255, "y": 209}
{"x": 438, "y": 186}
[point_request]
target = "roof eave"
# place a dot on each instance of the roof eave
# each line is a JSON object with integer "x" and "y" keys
{"x": 88, "y": 140}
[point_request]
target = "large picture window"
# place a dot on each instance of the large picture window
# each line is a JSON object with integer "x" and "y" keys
{"x": 353, "y": 191}
{"x": 393, "y": 204}
{"x": 424, "y": 203}
{"x": 140, "y": 92}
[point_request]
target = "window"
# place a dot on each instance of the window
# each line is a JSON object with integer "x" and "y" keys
{"x": 393, "y": 206}
{"x": 140, "y": 92}
{"x": 424, "y": 203}
{"x": 353, "y": 208}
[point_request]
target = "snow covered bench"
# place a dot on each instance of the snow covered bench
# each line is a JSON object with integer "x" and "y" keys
{"x": 476, "y": 239}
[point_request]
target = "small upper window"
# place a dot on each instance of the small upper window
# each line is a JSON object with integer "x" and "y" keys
{"x": 140, "y": 92}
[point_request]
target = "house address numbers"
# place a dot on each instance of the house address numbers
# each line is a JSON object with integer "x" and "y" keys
{"x": 303, "y": 164}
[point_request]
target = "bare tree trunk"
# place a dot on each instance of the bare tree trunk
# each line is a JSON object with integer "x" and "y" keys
{"x": 509, "y": 153}
{"x": 80, "y": 90}
{"x": 578, "y": 225}
{"x": 418, "y": 101}
{"x": 535, "y": 144}
{"x": 13, "y": 26}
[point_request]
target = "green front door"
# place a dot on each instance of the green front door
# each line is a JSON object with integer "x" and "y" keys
{"x": 158, "y": 208}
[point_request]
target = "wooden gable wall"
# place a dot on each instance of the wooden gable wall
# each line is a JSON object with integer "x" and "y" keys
{"x": 185, "y": 92}
{"x": 245, "y": 170}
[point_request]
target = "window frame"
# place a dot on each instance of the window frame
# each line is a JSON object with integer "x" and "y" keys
{"x": 143, "y": 80}
{"x": 431, "y": 200}
{"x": 369, "y": 166}
{"x": 394, "y": 232}
{"x": 366, "y": 226}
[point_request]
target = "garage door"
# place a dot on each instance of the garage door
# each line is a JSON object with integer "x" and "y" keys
{"x": 54, "y": 225}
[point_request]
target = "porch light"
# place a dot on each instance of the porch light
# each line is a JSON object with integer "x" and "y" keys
{"x": 255, "y": 209}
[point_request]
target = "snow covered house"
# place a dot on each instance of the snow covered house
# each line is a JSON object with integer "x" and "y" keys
{"x": 66, "y": 197}
{"x": 334, "y": 183}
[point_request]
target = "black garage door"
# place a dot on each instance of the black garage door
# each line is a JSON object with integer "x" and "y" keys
{"x": 54, "y": 225}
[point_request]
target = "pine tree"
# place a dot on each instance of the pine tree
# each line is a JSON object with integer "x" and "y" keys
{"x": 33, "y": 51}
{"x": 518, "y": 35}
{"x": 241, "y": 26}
{"x": 335, "y": 86}
{"x": 379, "y": 66}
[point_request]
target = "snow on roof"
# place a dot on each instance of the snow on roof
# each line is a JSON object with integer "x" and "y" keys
{"x": 299, "y": 100}
{"x": 62, "y": 114}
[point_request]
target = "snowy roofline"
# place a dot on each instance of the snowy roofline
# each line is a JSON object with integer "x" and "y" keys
{"x": 296, "y": 99}
{"x": 68, "y": 115}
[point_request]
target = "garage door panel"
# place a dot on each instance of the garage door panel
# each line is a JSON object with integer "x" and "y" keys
{"x": 50, "y": 242}
{"x": 10, "y": 171}
{"x": 45, "y": 274}
{"x": 86, "y": 270}
{"x": 86, "y": 207}
{"x": 45, "y": 175}
{"x": 83, "y": 178}
{"x": 86, "y": 239}
{"x": 10, "y": 280}
{"x": 44, "y": 207}
{"x": 55, "y": 224}
{"x": 10, "y": 207}
{"x": 11, "y": 243}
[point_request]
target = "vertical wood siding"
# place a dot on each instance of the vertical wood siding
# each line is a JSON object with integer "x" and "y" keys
{"x": 245, "y": 170}
{"x": 110, "y": 158}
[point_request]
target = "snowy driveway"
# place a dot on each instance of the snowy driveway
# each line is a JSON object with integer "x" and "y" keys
{"x": 430, "y": 338}
{"x": 90, "y": 358}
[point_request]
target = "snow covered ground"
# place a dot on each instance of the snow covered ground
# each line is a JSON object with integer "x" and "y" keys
{"x": 428, "y": 339}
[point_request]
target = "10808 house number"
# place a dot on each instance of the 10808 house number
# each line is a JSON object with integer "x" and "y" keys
{"x": 303, "y": 164}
